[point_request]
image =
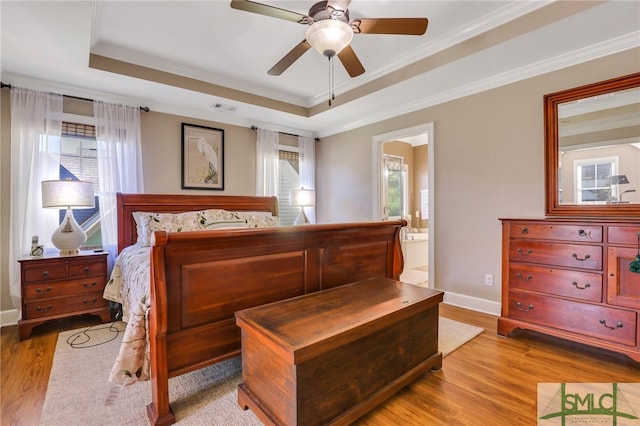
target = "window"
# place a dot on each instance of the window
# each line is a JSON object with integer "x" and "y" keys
{"x": 396, "y": 186}
{"x": 593, "y": 178}
{"x": 288, "y": 179}
{"x": 78, "y": 161}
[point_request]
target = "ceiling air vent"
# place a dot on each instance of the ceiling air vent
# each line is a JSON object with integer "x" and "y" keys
{"x": 227, "y": 109}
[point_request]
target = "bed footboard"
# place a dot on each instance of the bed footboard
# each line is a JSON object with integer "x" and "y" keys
{"x": 200, "y": 279}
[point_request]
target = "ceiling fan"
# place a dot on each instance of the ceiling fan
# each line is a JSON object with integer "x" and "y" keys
{"x": 330, "y": 31}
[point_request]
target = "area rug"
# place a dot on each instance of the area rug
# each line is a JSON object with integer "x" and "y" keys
{"x": 78, "y": 384}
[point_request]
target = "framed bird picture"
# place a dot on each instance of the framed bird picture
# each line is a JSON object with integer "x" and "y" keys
{"x": 202, "y": 157}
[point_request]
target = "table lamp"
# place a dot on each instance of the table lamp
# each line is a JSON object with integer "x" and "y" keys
{"x": 302, "y": 198}
{"x": 69, "y": 236}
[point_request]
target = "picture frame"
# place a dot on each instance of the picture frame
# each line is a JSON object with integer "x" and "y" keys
{"x": 202, "y": 157}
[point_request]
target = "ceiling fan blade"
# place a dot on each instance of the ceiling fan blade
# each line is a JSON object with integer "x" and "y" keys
{"x": 407, "y": 26}
{"x": 290, "y": 58}
{"x": 274, "y": 12}
{"x": 350, "y": 61}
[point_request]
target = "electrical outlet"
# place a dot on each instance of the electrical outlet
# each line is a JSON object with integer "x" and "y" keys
{"x": 488, "y": 280}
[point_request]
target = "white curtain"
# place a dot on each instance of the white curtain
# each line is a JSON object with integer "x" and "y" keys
{"x": 36, "y": 127}
{"x": 119, "y": 153}
{"x": 267, "y": 162}
{"x": 308, "y": 170}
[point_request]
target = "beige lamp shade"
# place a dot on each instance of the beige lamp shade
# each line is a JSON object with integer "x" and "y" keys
{"x": 302, "y": 197}
{"x": 68, "y": 194}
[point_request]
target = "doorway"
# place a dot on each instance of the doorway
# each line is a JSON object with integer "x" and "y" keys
{"x": 412, "y": 197}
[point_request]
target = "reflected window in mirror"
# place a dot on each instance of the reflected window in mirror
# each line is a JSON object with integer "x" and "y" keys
{"x": 592, "y": 139}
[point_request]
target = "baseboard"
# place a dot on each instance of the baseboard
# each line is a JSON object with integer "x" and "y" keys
{"x": 9, "y": 317}
{"x": 472, "y": 303}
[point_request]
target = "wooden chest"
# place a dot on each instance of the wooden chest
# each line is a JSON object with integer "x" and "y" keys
{"x": 329, "y": 357}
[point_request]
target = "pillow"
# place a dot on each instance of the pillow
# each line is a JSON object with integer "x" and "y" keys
{"x": 148, "y": 222}
{"x": 259, "y": 219}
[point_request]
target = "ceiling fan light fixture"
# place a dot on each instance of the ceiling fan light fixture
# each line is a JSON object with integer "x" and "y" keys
{"x": 329, "y": 36}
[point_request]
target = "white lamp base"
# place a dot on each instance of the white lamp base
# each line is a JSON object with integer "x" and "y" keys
{"x": 69, "y": 236}
{"x": 302, "y": 218}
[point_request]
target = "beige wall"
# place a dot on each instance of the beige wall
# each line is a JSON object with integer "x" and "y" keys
{"x": 489, "y": 163}
{"x": 490, "y": 167}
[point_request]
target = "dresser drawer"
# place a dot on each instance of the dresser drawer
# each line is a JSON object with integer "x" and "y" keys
{"x": 85, "y": 269}
{"x": 568, "y": 255}
{"x": 45, "y": 273}
{"x": 626, "y": 235}
{"x": 561, "y": 282}
{"x": 63, "y": 288}
{"x": 545, "y": 231}
{"x": 64, "y": 305}
{"x": 615, "y": 325}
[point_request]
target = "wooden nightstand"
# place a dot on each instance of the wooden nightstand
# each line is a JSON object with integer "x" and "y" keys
{"x": 55, "y": 287}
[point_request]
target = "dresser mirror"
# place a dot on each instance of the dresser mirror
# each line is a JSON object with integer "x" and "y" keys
{"x": 592, "y": 149}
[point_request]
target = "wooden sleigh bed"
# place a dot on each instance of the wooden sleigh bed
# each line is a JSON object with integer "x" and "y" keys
{"x": 200, "y": 279}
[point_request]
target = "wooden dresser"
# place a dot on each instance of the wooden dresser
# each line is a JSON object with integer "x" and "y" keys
{"x": 55, "y": 287}
{"x": 571, "y": 279}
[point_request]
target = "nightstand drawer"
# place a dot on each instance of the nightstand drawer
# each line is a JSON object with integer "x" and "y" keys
{"x": 63, "y": 288}
{"x": 49, "y": 272}
{"x": 85, "y": 269}
{"x": 615, "y": 325}
{"x": 545, "y": 231}
{"x": 556, "y": 254}
{"x": 64, "y": 305}
{"x": 561, "y": 282}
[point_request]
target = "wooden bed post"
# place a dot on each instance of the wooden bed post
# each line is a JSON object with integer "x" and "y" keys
{"x": 398, "y": 259}
{"x": 159, "y": 411}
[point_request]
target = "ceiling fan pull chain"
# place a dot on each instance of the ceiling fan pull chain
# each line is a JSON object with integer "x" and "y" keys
{"x": 331, "y": 79}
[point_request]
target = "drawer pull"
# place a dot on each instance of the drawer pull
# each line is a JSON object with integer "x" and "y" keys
{"x": 527, "y": 309}
{"x": 90, "y": 302}
{"x": 40, "y": 309}
{"x": 89, "y": 285}
{"x": 40, "y": 291}
{"x": 584, "y": 233}
{"x": 523, "y": 253}
{"x": 604, "y": 322}
{"x": 528, "y": 278}
{"x": 586, "y": 256}
{"x": 45, "y": 274}
{"x": 524, "y": 230}
{"x": 575, "y": 284}
{"x": 86, "y": 269}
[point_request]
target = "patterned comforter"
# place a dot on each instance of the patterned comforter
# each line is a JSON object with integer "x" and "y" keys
{"x": 133, "y": 360}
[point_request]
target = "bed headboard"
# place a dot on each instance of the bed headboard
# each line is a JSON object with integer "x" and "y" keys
{"x": 163, "y": 203}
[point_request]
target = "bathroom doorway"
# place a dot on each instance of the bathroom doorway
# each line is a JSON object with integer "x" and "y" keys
{"x": 403, "y": 187}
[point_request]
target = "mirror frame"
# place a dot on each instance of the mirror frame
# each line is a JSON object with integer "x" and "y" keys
{"x": 552, "y": 207}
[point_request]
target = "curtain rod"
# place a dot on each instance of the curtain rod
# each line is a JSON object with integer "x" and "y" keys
{"x": 142, "y": 108}
{"x": 254, "y": 128}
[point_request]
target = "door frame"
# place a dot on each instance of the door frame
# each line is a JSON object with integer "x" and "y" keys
{"x": 377, "y": 162}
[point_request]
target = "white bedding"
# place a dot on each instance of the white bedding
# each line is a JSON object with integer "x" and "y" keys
{"x": 129, "y": 286}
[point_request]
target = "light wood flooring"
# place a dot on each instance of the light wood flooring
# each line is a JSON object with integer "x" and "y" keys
{"x": 491, "y": 380}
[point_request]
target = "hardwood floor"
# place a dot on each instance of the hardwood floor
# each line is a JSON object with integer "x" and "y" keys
{"x": 489, "y": 381}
